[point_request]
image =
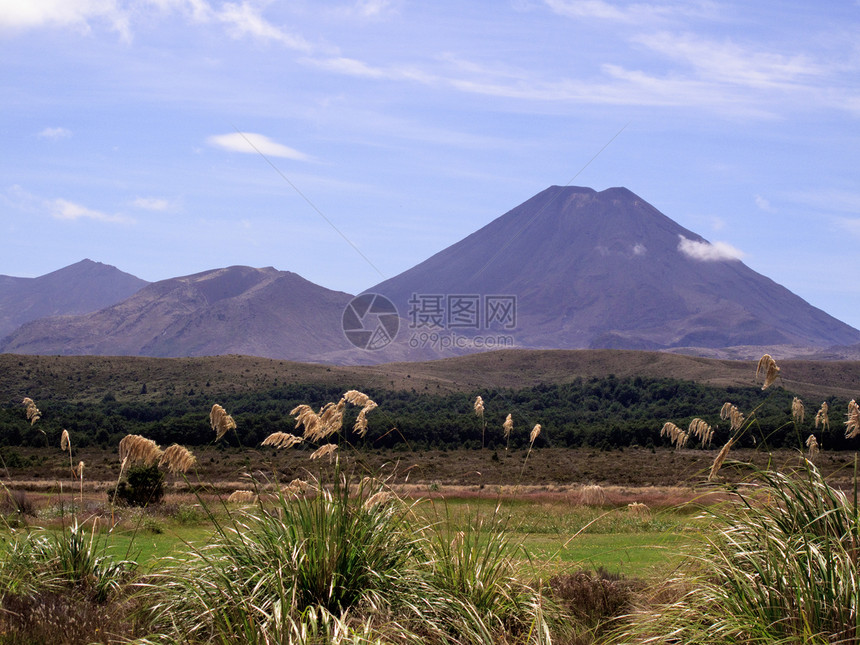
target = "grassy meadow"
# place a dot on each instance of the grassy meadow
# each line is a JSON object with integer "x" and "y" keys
{"x": 308, "y": 538}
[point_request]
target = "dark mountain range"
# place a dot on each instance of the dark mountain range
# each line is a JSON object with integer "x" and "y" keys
{"x": 236, "y": 310}
{"x": 606, "y": 270}
{"x": 76, "y": 289}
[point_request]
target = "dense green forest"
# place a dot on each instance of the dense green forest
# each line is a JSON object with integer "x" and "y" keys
{"x": 604, "y": 412}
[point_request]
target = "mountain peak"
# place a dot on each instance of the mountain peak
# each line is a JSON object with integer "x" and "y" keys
{"x": 607, "y": 269}
{"x": 75, "y": 289}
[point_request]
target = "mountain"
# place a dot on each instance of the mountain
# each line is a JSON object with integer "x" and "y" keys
{"x": 589, "y": 269}
{"x": 76, "y": 289}
{"x": 234, "y": 310}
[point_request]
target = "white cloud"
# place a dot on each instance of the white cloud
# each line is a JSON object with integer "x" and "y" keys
{"x": 65, "y": 210}
{"x": 639, "y": 249}
{"x": 77, "y": 14}
{"x": 349, "y": 67}
{"x": 637, "y": 13}
{"x": 707, "y": 252}
{"x": 373, "y": 8}
{"x": 241, "y": 19}
{"x": 151, "y": 204}
{"x": 764, "y": 204}
{"x": 730, "y": 63}
{"x": 253, "y": 143}
{"x": 54, "y": 133}
{"x": 247, "y": 20}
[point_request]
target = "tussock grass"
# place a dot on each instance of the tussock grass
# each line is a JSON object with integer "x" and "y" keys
{"x": 779, "y": 566}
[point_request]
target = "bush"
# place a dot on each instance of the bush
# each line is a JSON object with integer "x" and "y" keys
{"x": 143, "y": 486}
{"x": 16, "y": 501}
{"x": 779, "y": 565}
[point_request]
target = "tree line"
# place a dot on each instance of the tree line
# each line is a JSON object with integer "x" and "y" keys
{"x": 607, "y": 412}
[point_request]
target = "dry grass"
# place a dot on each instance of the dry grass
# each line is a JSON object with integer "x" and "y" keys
{"x": 33, "y": 413}
{"x": 177, "y": 459}
{"x": 767, "y": 366}
{"x": 220, "y": 421}
{"x": 592, "y": 495}
{"x": 852, "y": 423}
{"x": 702, "y": 431}
{"x": 798, "y": 413}
{"x": 638, "y": 509}
{"x": 677, "y": 436}
{"x": 720, "y": 458}
{"x": 812, "y": 447}
{"x": 735, "y": 417}
{"x": 326, "y": 450}
{"x": 822, "y": 417}
{"x": 281, "y": 440}
{"x": 134, "y": 448}
{"x": 242, "y": 497}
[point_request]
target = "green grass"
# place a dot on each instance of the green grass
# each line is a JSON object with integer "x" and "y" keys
{"x": 634, "y": 555}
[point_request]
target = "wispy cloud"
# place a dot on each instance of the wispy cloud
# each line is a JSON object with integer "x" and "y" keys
{"x": 368, "y": 9}
{"x": 75, "y": 14}
{"x": 242, "y": 19}
{"x": 707, "y": 252}
{"x": 247, "y": 20}
{"x": 634, "y": 12}
{"x": 251, "y": 142}
{"x": 732, "y": 63}
{"x": 63, "y": 209}
{"x": 152, "y": 204}
{"x": 54, "y": 133}
{"x": 764, "y": 204}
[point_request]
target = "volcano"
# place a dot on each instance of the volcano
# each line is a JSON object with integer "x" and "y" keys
{"x": 587, "y": 269}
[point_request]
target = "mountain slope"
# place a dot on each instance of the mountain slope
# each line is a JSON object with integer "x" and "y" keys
{"x": 235, "y": 310}
{"x": 608, "y": 270}
{"x": 76, "y": 289}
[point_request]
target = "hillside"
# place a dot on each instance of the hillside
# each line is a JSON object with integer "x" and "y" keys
{"x": 76, "y": 289}
{"x": 89, "y": 378}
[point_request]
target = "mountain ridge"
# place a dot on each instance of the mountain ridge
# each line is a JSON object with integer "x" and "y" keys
{"x": 78, "y": 288}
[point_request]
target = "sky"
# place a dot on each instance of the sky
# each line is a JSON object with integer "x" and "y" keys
{"x": 348, "y": 140}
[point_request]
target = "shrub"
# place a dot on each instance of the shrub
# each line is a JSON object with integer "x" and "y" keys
{"x": 143, "y": 486}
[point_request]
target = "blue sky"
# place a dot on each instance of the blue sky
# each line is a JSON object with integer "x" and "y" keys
{"x": 168, "y": 137}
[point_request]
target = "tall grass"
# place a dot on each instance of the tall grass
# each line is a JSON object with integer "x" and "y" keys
{"x": 780, "y": 566}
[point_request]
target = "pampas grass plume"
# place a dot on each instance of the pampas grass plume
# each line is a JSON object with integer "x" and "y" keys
{"x": 178, "y": 459}
{"x": 220, "y": 421}
{"x": 852, "y": 423}
{"x": 721, "y": 457}
{"x": 134, "y": 448}
{"x": 479, "y": 407}
{"x": 324, "y": 451}
{"x": 797, "y": 411}
{"x": 535, "y": 433}
{"x": 638, "y": 509}
{"x": 33, "y": 413}
{"x": 281, "y": 440}
{"x": 64, "y": 440}
{"x": 822, "y": 417}
{"x": 242, "y": 497}
{"x": 768, "y": 367}
{"x": 812, "y": 447}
